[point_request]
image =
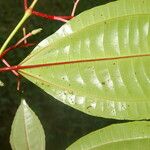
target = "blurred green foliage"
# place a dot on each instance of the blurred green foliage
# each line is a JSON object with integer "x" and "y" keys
{"x": 62, "y": 124}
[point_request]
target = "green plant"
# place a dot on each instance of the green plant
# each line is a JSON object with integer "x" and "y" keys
{"x": 98, "y": 64}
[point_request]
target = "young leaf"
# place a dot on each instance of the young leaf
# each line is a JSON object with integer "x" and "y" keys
{"x": 99, "y": 61}
{"x": 126, "y": 136}
{"x": 27, "y": 132}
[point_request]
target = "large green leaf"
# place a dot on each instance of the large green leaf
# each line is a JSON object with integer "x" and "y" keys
{"x": 27, "y": 132}
{"x": 126, "y": 136}
{"x": 106, "y": 50}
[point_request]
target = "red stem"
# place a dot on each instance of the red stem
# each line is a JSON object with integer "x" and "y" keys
{"x": 59, "y": 18}
{"x": 24, "y": 38}
{"x": 70, "y": 62}
{"x": 74, "y": 7}
{"x": 13, "y": 47}
{"x": 13, "y": 71}
{"x": 25, "y": 5}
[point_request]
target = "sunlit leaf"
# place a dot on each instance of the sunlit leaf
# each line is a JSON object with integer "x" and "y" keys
{"x": 126, "y": 136}
{"x": 27, "y": 132}
{"x": 106, "y": 53}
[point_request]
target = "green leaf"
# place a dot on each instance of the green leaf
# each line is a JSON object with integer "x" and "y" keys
{"x": 126, "y": 136}
{"x": 106, "y": 53}
{"x": 27, "y": 132}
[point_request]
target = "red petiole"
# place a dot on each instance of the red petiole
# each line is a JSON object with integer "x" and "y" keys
{"x": 58, "y": 18}
{"x": 14, "y": 47}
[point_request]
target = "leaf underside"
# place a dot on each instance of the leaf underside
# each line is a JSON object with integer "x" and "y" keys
{"x": 26, "y": 132}
{"x": 126, "y": 136}
{"x": 115, "y": 83}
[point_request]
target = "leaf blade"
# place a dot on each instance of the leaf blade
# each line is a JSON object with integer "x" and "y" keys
{"x": 131, "y": 136}
{"x": 27, "y": 132}
{"x": 109, "y": 88}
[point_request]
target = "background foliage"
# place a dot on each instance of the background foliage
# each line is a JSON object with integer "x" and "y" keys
{"x": 62, "y": 125}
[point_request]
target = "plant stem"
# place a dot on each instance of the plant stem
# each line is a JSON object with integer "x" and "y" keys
{"x": 14, "y": 47}
{"x": 59, "y": 18}
{"x": 13, "y": 71}
{"x": 74, "y": 8}
{"x": 14, "y": 32}
{"x": 28, "y": 12}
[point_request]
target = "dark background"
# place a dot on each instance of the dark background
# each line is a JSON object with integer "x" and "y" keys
{"x": 62, "y": 124}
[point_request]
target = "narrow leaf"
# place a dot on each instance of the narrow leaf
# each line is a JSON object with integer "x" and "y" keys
{"x": 27, "y": 132}
{"x": 98, "y": 62}
{"x": 126, "y": 136}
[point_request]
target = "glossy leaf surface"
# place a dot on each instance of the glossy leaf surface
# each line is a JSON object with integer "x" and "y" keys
{"x": 107, "y": 52}
{"x": 126, "y": 136}
{"x": 27, "y": 132}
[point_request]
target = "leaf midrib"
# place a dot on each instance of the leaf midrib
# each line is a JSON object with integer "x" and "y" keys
{"x": 26, "y": 134}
